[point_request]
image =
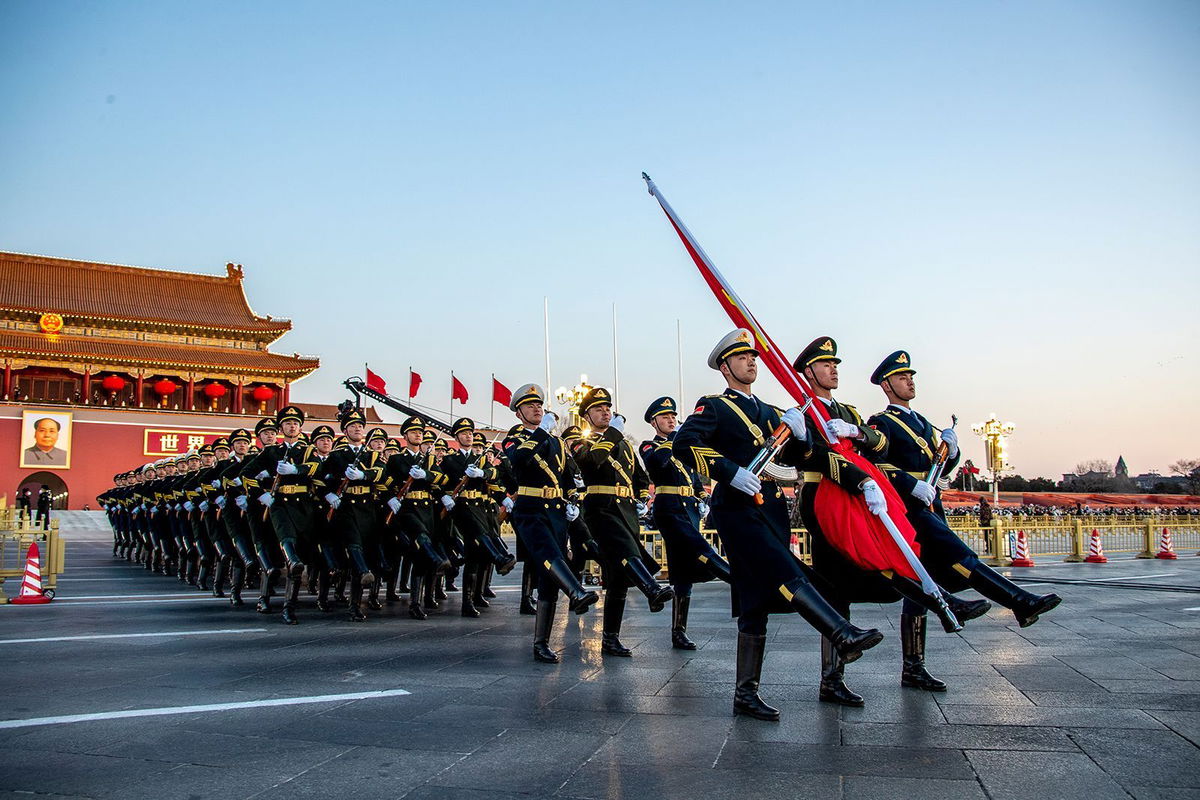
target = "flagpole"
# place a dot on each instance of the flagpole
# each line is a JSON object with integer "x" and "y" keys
{"x": 410, "y": 384}
{"x": 546, "y": 337}
{"x": 616, "y": 364}
{"x": 451, "y": 397}
{"x": 681, "y": 401}
{"x": 492, "y": 405}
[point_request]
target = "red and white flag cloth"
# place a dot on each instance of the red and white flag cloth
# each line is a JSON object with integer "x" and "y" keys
{"x": 376, "y": 383}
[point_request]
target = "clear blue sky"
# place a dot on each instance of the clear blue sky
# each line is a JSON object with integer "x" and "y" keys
{"x": 1011, "y": 191}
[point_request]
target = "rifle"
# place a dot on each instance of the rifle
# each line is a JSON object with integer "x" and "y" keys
{"x": 274, "y": 486}
{"x": 940, "y": 459}
{"x": 771, "y": 448}
{"x": 345, "y": 482}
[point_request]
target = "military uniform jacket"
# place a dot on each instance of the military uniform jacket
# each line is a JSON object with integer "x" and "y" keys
{"x": 615, "y": 480}
{"x": 539, "y": 469}
{"x": 912, "y": 446}
{"x": 666, "y": 471}
{"x": 820, "y": 462}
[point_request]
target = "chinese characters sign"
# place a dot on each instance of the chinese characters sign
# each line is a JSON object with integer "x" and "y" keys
{"x": 172, "y": 442}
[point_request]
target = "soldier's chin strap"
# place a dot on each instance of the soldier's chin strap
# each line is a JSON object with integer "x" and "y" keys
{"x": 813, "y": 377}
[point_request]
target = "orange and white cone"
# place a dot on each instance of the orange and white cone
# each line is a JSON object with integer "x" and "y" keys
{"x": 1096, "y": 550}
{"x": 794, "y": 545}
{"x": 1166, "y": 548}
{"x": 31, "y": 584}
{"x": 1021, "y": 552}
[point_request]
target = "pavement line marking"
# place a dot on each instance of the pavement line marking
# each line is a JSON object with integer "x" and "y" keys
{"x": 130, "y": 596}
{"x": 1195, "y": 608}
{"x": 172, "y": 710}
{"x": 1134, "y": 577}
{"x": 132, "y": 635}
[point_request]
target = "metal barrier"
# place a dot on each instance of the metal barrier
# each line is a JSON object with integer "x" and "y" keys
{"x": 16, "y": 535}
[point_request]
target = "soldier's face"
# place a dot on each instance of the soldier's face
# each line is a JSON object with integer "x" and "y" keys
{"x": 324, "y": 445}
{"x": 600, "y": 417}
{"x": 743, "y": 367}
{"x": 290, "y": 428}
{"x": 531, "y": 413}
{"x": 207, "y": 460}
{"x": 354, "y": 431}
{"x": 413, "y": 438}
{"x": 464, "y": 439}
{"x": 825, "y": 373}
{"x": 903, "y": 386}
{"x": 222, "y": 453}
{"x": 665, "y": 423}
{"x": 266, "y": 437}
{"x": 241, "y": 447}
{"x": 377, "y": 445}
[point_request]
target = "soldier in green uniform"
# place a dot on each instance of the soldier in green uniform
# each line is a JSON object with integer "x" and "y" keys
{"x": 617, "y": 490}
{"x": 581, "y": 545}
{"x": 210, "y": 508}
{"x": 258, "y": 476}
{"x": 914, "y": 443}
{"x": 333, "y": 552}
{"x": 235, "y": 548}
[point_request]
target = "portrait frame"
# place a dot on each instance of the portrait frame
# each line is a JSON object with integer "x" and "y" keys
{"x": 29, "y": 459}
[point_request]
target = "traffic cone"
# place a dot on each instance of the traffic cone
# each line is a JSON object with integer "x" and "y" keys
{"x": 1166, "y": 548}
{"x": 1096, "y": 550}
{"x": 1021, "y": 555}
{"x": 794, "y": 545}
{"x": 31, "y": 586}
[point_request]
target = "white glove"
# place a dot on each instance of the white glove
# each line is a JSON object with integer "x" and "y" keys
{"x": 355, "y": 474}
{"x": 241, "y": 501}
{"x": 641, "y": 509}
{"x": 394, "y": 504}
{"x": 266, "y": 499}
{"x": 236, "y": 481}
{"x": 951, "y": 440}
{"x": 572, "y": 512}
{"x": 221, "y": 501}
{"x": 153, "y": 510}
{"x": 794, "y": 419}
{"x": 876, "y": 502}
{"x": 507, "y": 503}
{"x": 448, "y": 501}
{"x": 840, "y": 429}
{"x": 618, "y": 423}
{"x": 746, "y": 481}
{"x": 474, "y": 471}
{"x": 204, "y": 506}
{"x": 215, "y": 484}
{"x": 285, "y": 468}
{"x": 579, "y": 484}
{"x": 416, "y": 473}
{"x": 263, "y": 475}
{"x": 703, "y": 509}
{"x": 924, "y": 492}
{"x": 333, "y": 500}
{"x": 547, "y": 423}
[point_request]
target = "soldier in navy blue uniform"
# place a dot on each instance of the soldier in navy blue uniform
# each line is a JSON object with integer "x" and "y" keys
{"x": 236, "y": 547}
{"x": 723, "y": 434}
{"x": 679, "y": 505}
{"x": 261, "y": 547}
{"x": 617, "y": 489}
{"x": 540, "y": 513}
{"x": 914, "y": 443}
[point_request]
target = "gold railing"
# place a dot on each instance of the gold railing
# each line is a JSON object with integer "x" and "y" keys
{"x": 17, "y": 532}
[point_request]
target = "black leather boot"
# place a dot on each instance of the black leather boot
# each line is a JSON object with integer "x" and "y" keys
{"x": 486, "y": 591}
{"x": 339, "y": 586}
{"x": 373, "y": 597}
{"x": 442, "y": 585}
{"x": 238, "y": 582}
{"x": 656, "y": 593}
{"x": 966, "y": 610}
{"x": 833, "y": 684}
{"x": 390, "y": 596}
{"x": 431, "y": 602}
{"x": 358, "y": 565}
{"x": 202, "y": 576}
{"x": 312, "y": 581}
{"x": 718, "y": 566}
{"x": 416, "y": 596}
{"x": 405, "y": 572}
{"x": 324, "y": 579}
{"x": 528, "y": 574}
{"x": 849, "y": 641}
{"x": 468, "y": 591}
{"x": 912, "y": 645}
{"x": 503, "y": 560}
{"x": 264, "y": 592}
{"x": 750, "y": 650}
{"x": 291, "y": 597}
{"x": 222, "y": 570}
{"x": 679, "y": 617}
{"x": 911, "y": 590}
{"x": 481, "y": 580}
{"x": 356, "y": 593}
{"x": 1026, "y": 606}
{"x": 542, "y": 626}
{"x": 614, "y": 610}
{"x": 580, "y": 599}
{"x": 295, "y": 565}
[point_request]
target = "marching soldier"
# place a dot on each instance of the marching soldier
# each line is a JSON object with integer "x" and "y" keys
{"x": 579, "y": 539}
{"x": 411, "y": 477}
{"x": 617, "y": 489}
{"x": 210, "y": 509}
{"x": 350, "y": 475}
{"x": 499, "y": 506}
{"x": 199, "y": 501}
{"x": 234, "y": 547}
{"x": 818, "y": 362}
{"x": 679, "y": 505}
{"x": 375, "y": 547}
{"x": 262, "y": 545}
{"x": 540, "y": 514}
{"x": 914, "y": 443}
{"x": 725, "y": 432}
{"x": 469, "y": 472}
{"x": 333, "y": 553}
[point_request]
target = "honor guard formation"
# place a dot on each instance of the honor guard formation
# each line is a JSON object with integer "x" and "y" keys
{"x": 360, "y": 519}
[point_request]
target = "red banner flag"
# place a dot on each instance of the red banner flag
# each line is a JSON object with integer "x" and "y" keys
{"x": 414, "y": 383}
{"x": 500, "y": 393}
{"x": 848, "y": 525}
{"x": 376, "y": 383}
{"x": 457, "y": 390}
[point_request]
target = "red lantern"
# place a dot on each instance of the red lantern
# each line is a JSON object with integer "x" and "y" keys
{"x": 164, "y": 387}
{"x": 215, "y": 390}
{"x": 113, "y": 383}
{"x": 262, "y": 393}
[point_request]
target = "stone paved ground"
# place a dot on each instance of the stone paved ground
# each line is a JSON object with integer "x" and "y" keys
{"x": 1101, "y": 699}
